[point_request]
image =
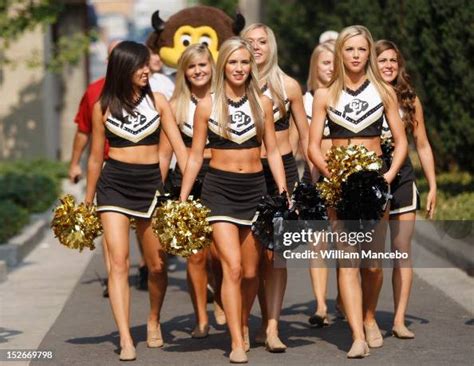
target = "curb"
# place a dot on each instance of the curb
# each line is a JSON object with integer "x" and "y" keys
{"x": 19, "y": 246}
{"x": 3, "y": 271}
{"x": 440, "y": 241}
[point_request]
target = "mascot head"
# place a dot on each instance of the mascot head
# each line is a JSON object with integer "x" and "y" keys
{"x": 198, "y": 24}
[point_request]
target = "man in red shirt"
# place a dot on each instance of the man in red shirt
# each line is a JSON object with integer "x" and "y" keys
{"x": 83, "y": 120}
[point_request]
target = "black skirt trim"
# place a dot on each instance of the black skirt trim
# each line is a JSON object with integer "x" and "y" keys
{"x": 407, "y": 197}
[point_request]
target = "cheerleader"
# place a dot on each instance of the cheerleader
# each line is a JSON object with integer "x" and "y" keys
{"x": 285, "y": 93}
{"x": 129, "y": 115}
{"x": 193, "y": 83}
{"x": 405, "y": 198}
{"x": 235, "y": 120}
{"x": 320, "y": 72}
{"x": 354, "y": 103}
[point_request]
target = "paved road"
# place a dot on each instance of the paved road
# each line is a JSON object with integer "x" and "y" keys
{"x": 84, "y": 332}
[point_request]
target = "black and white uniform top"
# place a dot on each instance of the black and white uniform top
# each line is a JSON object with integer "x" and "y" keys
{"x": 187, "y": 127}
{"x": 308, "y": 107}
{"x": 242, "y": 132}
{"x": 357, "y": 113}
{"x": 128, "y": 188}
{"x": 138, "y": 128}
{"x": 386, "y": 131}
{"x": 281, "y": 122}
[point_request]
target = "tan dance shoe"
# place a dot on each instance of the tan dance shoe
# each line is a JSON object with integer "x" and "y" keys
{"x": 273, "y": 344}
{"x": 245, "y": 334}
{"x": 154, "y": 338}
{"x": 373, "y": 336}
{"x": 219, "y": 314}
{"x": 238, "y": 355}
{"x": 128, "y": 353}
{"x": 402, "y": 332}
{"x": 359, "y": 349}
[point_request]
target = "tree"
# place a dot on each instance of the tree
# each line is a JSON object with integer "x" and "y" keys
{"x": 229, "y": 6}
{"x": 19, "y": 16}
{"x": 436, "y": 38}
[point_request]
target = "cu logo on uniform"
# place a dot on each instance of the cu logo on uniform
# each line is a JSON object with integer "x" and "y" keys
{"x": 240, "y": 119}
{"x": 136, "y": 120}
{"x": 356, "y": 106}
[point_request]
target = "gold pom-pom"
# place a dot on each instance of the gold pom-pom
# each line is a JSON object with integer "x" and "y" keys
{"x": 342, "y": 162}
{"x": 76, "y": 226}
{"x": 182, "y": 227}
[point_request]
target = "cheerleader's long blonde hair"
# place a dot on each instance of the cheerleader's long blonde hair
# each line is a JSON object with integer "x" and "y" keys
{"x": 313, "y": 83}
{"x": 336, "y": 84}
{"x": 182, "y": 91}
{"x": 270, "y": 72}
{"x": 252, "y": 91}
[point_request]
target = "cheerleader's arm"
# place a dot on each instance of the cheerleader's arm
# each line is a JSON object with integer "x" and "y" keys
{"x": 171, "y": 129}
{"x": 399, "y": 137}
{"x": 96, "y": 157}
{"x": 425, "y": 154}
{"x": 273, "y": 154}
{"x": 196, "y": 155}
{"x": 316, "y": 129}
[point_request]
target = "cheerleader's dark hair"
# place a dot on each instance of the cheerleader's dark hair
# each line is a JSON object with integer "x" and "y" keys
{"x": 405, "y": 93}
{"x": 118, "y": 93}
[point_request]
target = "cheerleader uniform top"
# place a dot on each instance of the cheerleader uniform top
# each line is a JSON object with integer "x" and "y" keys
{"x": 241, "y": 129}
{"x": 386, "y": 131}
{"x": 308, "y": 107}
{"x": 357, "y": 113}
{"x": 281, "y": 122}
{"x": 141, "y": 127}
{"x": 187, "y": 127}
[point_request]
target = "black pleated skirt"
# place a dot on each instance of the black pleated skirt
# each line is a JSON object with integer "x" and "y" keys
{"x": 131, "y": 189}
{"x": 405, "y": 197}
{"x": 291, "y": 173}
{"x": 232, "y": 197}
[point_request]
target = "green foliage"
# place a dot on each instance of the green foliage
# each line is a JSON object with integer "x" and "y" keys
{"x": 441, "y": 55}
{"x": 30, "y": 191}
{"x": 12, "y": 219}
{"x": 436, "y": 37}
{"x": 229, "y": 6}
{"x": 19, "y": 16}
{"x": 455, "y": 198}
{"x": 455, "y": 193}
{"x": 26, "y": 187}
{"x": 53, "y": 169}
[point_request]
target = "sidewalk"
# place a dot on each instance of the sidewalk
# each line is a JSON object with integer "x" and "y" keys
{"x": 85, "y": 334}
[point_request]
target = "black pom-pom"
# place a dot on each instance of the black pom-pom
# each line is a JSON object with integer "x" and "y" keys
{"x": 272, "y": 211}
{"x": 387, "y": 151}
{"x": 308, "y": 202}
{"x": 364, "y": 196}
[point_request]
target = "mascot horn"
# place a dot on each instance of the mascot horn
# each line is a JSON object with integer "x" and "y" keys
{"x": 197, "y": 24}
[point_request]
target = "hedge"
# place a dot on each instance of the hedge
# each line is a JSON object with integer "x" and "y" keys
{"x": 26, "y": 187}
